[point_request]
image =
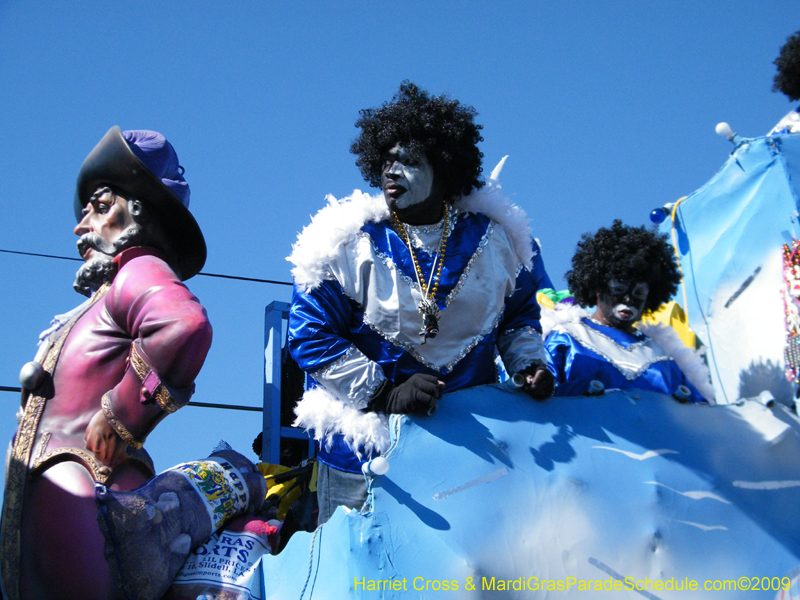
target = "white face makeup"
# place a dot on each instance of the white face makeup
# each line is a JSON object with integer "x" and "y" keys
{"x": 406, "y": 179}
{"x": 626, "y": 301}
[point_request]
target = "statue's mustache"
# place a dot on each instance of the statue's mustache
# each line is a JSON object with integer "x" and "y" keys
{"x": 95, "y": 242}
{"x": 132, "y": 236}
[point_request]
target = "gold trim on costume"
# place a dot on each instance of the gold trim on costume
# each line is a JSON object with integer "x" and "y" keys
{"x": 121, "y": 430}
{"x": 98, "y": 470}
{"x": 138, "y": 364}
{"x": 42, "y": 447}
{"x": 17, "y": 472}
{"x": 161, "y": 395}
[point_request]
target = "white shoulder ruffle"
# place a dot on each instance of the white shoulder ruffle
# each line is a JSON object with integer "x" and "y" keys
{"x": 490, "y": 201}
{"x": 337, "y": 223}
{"x": 563, "y": 314}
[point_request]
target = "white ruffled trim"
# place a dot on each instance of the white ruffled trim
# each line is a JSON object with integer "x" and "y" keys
{"x": 691, "y": 363}
{"x": 489, "y": 201}
{"x": 340, "y": 221}
{"x": 562, "y": 314}
{"x": 337, "y": 223}
{"x": 325, "y": 415}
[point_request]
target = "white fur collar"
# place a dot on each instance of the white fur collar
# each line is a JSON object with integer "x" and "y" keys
{"x": 691, "y": 363}
{"x": 340, "y": 221}
{"x": 337, "y": 223}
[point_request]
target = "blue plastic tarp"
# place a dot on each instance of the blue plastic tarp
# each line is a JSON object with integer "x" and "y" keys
{"x": 729, "y": 236}
{"x": 509, "y": 496}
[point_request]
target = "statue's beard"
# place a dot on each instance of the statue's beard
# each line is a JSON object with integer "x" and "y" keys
{"x": 101, "y": 268}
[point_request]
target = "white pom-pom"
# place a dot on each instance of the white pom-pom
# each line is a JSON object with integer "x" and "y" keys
{"x": 724, "y": 130}
{"x": 376, "y": 466}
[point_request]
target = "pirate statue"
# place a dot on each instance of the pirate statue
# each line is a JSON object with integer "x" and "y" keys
{"x": 412, "y": 292}
{"x": 105, "y": 375}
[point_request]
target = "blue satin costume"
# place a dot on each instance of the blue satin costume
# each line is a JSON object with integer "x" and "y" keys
{"x": 324, "y": 322}
{"x": 574, "y": 366}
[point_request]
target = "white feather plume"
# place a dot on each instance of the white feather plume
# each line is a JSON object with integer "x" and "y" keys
{"x": 325, "y": 415}
{"x": 335, "y": 224}
{"x": 490, "y": 201}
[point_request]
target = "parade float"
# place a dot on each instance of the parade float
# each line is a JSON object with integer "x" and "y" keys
{"x": 621, "y": 494}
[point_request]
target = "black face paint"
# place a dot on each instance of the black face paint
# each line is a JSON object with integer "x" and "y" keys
{"x": 621, "y": 304}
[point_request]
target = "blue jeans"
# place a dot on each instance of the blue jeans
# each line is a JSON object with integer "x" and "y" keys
{"x": 336, "y": 488}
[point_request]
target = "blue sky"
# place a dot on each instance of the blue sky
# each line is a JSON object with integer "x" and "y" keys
{"x": 607, "y": 110}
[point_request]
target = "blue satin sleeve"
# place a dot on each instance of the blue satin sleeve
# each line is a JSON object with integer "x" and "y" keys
{"x": 319, "y": 321}
{"x": 557, "y": 348}
{"x": 521, "y": 308}
{"x": 540, "y": 277}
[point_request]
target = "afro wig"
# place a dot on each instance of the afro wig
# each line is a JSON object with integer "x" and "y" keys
{"x": 624, "y": 253}
{"x": 436, "y": 126}
{"x": 787, "y": 79}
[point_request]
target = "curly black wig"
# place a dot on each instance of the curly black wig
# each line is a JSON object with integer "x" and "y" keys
{"x": 436, "y": 126}
{"x": 624, "y": 253}
{"x": 787, "y": 79}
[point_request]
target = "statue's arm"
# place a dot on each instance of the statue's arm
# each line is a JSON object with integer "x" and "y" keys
{"x": 171, "y": 336}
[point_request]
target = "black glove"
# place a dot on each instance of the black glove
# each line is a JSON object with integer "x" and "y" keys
{"x": 539, "y": 383}
{"x": 418, "y": 394}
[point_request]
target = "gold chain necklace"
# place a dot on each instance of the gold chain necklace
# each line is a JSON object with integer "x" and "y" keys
{"x": 427, "y": 306}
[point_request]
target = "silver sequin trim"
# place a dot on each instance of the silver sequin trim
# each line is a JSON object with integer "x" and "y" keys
{"x": 526, "y": 329}
{"x": 389, "y": 263}
{"x": 630, "y": 348}
{"x": 628, "y": 376}
{"x": 449, "y": 366}
{"x": 632, "y": 376}
{"x": 463, "y": 279}
{"x": 336, "y": 363}
{"x": 436, "y": 227}
{"x": 413, "y": 231}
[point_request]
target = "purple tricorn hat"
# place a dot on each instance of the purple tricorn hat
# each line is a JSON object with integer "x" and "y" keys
{"x": 144, "y": 165}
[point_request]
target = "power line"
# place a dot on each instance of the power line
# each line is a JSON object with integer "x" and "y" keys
{"x": 4, "y": 388}
{"x": 42, "y": 255}
{"x": 255, "y": 279}
{"x": 228, "y": 406}
{"x": 245, "y": 278}
{"x": 17, "y": 390}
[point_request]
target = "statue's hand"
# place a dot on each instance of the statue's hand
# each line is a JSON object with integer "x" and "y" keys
{"x": 103, "y": 441}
